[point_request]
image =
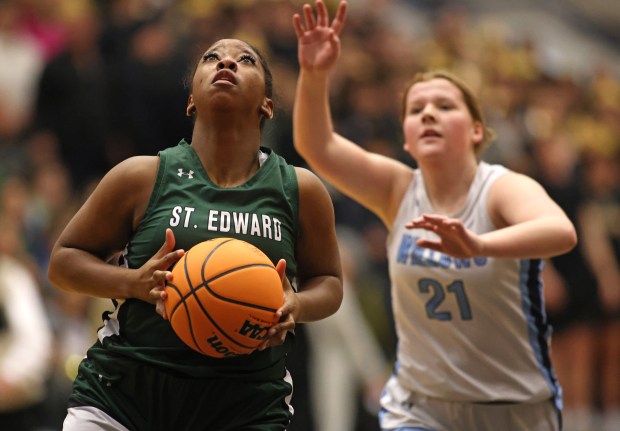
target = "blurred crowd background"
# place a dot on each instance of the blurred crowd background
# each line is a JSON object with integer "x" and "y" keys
{"x": 85, "y": 84}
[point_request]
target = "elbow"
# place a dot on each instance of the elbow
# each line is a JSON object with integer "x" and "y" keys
{"x": 573, "y": 239}
{"x": 54, "y": 274}
{"x": 569, "y": 238}
{"x": 300, "y": 144}
{"x": 53, "y": 277}
{"x": 338, "y": 296}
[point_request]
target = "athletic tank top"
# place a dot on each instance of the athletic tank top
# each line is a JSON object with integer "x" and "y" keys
{"x": 262, "y": 211}
{"x": 469, "y": 330}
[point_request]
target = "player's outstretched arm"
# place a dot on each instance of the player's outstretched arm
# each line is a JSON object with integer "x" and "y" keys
{"x": 530, "y": 225}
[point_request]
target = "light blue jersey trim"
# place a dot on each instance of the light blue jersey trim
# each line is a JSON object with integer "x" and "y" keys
{"x": 532, "y": 303}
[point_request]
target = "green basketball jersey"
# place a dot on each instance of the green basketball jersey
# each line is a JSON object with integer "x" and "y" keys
{"x": 263, "y": 211}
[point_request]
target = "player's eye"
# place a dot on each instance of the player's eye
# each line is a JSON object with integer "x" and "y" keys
{"x": 210, "y": 56}
{"x": 247, "y": 58}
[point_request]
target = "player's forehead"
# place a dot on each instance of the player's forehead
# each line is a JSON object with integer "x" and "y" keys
{"x": 435, "y": 88}
{"x": 231, "y": 46}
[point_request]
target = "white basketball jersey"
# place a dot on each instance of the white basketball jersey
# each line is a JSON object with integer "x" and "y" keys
{"x": 470, "y": 330}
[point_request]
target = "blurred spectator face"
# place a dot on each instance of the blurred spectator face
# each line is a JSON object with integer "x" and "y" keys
{"x": 602, "y": 173}
{"x": 8, "y": 15}
{"x": 152, "y": 44}
{"x": 14, "y": 198}
{"x": 82, "y": 26}
{"x": 10, "y": 241}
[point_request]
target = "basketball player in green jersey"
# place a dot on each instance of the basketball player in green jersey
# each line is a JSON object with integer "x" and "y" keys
{"x": 139, "y": 375}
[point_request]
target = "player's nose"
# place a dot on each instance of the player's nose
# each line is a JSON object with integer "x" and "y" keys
{"x": 227, "y": 63}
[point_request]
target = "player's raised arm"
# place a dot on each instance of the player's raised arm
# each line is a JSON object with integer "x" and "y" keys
{"x": 362, "y": 175}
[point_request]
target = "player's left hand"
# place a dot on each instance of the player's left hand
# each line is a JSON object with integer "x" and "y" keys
{"x": 454, "y": 239}
{"x": 286, "y": 313}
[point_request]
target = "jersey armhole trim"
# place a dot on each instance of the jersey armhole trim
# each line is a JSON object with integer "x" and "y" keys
{"x": 158, "y": 185}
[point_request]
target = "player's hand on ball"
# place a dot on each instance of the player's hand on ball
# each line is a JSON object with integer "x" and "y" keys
{"x": 152, "y": 276}
{"x": 286, "y": 313}
{"x": 160, "y": 295}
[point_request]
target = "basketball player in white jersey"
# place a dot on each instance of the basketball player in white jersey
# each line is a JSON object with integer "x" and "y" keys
{"x": 465, "y": 248}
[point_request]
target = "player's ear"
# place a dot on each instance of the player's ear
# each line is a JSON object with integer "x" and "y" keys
{"x": 266, "y": 108}
{"x": 191, "y": 108}
{"x": 477, "y": 133}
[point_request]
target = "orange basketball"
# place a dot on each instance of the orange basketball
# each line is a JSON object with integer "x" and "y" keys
{"x": 223, "y": 297}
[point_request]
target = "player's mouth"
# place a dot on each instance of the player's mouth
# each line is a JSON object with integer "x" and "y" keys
{"x": 430, "y": 133}
{"x": 225, "y": 75}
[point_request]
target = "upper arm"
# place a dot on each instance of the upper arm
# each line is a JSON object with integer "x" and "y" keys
{"x": 515, "y": 198}
{"x": 105, "y": 222}
{"x": 375, "y": 181}
{"x": 317, "y": 247}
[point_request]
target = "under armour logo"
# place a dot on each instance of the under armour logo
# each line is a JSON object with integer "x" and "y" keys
{"x": 189, "y": 174}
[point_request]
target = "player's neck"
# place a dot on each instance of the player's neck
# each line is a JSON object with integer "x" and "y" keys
{"x": 448, "y": 189}
{"x": 228, "y": 158}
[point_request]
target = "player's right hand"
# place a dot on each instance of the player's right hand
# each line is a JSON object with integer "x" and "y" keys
{"x": 153, "y": 275}
{"x": 318, "y": 41}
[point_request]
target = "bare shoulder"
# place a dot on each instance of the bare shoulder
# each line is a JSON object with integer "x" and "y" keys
{"x": 115, "y": 208}
{"x": 314, "y": 200}
{"x": 513, "y": 184}
{"x": 516, "y": 197}
{"x": 126, "y": 188}
{"x": 308, "y": 180}
{"x": 313, "y": 194}
{"x": 134, "y": 171}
